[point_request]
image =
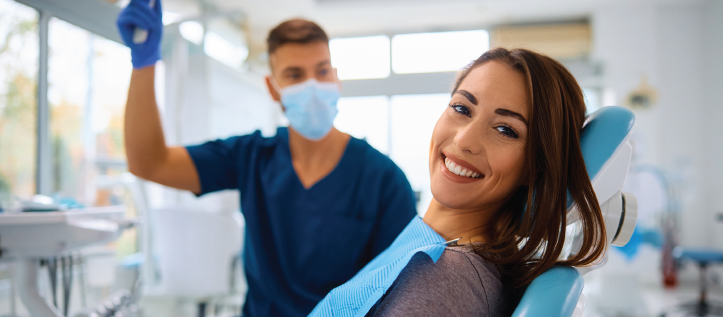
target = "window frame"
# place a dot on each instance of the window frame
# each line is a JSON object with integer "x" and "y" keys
{"x": 94, "y": 16}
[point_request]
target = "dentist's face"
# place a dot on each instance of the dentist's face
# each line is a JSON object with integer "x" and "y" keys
{"x": 295, "y": 63}
{"x": 477, "y": 153}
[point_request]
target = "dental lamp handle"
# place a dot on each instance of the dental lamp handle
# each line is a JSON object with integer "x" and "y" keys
{"x": 140, "y": 35}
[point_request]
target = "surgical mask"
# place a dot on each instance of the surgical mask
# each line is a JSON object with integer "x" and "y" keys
{"x": 310, "y": 107}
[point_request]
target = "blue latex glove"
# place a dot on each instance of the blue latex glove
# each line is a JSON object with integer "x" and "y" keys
{"x": 139, "y": 14}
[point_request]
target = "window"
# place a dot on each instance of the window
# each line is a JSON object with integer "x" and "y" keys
{"x": 437, "y": 52}
{"x": 365, "y": 118}
{"x": 88, "y": 80}
{"x": 18, "y": 105}
{"x": 361, "y": 57}
{"x": 413, "y": 120}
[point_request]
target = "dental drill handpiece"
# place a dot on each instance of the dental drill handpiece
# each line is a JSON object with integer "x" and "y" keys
{"x": 140, "y": 35}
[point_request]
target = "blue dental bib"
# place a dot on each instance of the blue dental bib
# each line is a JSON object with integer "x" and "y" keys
{"x": 357, "y": 296}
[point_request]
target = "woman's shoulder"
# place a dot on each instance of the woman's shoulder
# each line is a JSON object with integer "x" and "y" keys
{"x": 463, "y": 256}
{"x": 460, "y": 283}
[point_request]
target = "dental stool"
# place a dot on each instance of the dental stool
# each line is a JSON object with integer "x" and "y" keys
{"x": 607, "y": 153}
{"x": 701, "y": 307}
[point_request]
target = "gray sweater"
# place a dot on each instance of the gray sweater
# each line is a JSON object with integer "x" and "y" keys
{"x": 461, "y": 283}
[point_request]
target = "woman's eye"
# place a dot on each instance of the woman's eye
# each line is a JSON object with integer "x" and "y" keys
{"x": 461, "y": 110}
{"x": 323, "y": 72}
{"x": 293, "y": 76}
{"x": 507, "y": 131}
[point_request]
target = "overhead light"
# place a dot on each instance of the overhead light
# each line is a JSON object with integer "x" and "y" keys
{"x": 192, "y": 31}
{"x": 224, "y": 51}
{"x": 171, "y": 17}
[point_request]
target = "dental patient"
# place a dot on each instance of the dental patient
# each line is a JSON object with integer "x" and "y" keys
{"x": 503, "y": 158}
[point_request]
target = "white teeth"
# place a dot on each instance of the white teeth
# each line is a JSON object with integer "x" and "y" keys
{"x": 456, "y": 169}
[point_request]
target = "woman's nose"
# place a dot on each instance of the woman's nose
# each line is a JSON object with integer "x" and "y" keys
{"x": 470, "y": 139}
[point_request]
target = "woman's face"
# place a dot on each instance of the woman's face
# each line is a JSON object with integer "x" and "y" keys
{"x": 477, "y": 153}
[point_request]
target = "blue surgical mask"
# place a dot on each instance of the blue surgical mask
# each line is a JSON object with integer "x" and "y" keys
{"x": 310, "y": 107}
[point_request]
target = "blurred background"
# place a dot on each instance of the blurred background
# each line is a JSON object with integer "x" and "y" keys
{"x": 64, "y": 76}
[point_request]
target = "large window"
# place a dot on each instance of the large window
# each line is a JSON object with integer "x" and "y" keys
{"x": 413, "y": 120}
{"x": 361, "y": 57}
{"x": 365, "y": 118}
{"x": 18, "y": 105}
{"x": 437, "y": 52}
{"x": 88, "y": 80}
{"x": 399, "y": 126}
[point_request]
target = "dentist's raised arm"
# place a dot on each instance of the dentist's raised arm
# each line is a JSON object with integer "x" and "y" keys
{"x": 148, "y": 155}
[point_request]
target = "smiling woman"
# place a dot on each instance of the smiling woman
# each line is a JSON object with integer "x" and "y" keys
{"x": 515, "y": 119}
{"x": 503, "y": 156}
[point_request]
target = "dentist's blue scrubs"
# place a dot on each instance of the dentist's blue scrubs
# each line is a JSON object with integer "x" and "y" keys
{"x": 301, "y": 243}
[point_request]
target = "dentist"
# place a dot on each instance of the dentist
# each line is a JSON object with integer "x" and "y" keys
{"x": 318, "y": 203}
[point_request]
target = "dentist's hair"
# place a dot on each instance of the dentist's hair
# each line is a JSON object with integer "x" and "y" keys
{"x": 530, "y": 229}
{"x": 295, "y": 31}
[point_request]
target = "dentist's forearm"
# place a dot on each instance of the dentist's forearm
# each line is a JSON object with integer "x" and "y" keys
{"x": 144, "y": 140}
{"x": 148, "y": 155}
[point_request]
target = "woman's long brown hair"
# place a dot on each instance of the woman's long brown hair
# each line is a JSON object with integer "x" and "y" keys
{"x": 530, "y": 228}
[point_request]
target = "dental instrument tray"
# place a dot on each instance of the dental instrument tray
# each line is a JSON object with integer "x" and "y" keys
{"x": 46, "y": 234}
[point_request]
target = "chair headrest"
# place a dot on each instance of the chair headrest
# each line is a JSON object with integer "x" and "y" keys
{"x": 602, "y": 138}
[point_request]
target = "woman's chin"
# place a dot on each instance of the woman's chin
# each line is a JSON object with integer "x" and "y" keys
{"x": 450, "y": 198}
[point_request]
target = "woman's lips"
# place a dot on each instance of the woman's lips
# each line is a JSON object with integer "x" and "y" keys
{"x": 458, "y": 178}
{"x": 462, "y": 163}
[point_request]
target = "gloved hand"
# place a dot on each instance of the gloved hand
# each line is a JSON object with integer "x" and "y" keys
{"x": 139, "y": 14}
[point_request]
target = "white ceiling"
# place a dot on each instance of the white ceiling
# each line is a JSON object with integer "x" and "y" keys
{"x": 367, "y": 17}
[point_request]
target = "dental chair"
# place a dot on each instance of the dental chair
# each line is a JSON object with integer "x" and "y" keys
{"x": 607, "y": 153}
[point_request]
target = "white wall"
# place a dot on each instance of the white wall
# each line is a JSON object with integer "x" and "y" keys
{"x": 207, "y": 100}
{"x": 713, "y": 139}
{"x": 677, "y": 46}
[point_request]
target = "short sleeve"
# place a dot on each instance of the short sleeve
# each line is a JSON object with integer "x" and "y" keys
{"x": 397, "y": 207}
{"x": 217, "y": 162}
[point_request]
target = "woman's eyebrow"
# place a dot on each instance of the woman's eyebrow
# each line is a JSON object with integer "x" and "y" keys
{"x": 499, "y": 111}
{"x": 510, "y": 113}
{"x": 467, "y": 95}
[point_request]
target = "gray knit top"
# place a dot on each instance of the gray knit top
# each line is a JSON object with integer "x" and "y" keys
{"x": 461, "y": 283}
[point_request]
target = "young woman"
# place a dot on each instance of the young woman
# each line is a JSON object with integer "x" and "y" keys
{"x": 503, "y": 158}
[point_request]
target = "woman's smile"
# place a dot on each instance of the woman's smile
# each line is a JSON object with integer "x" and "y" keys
{"x": 458, "y": 170}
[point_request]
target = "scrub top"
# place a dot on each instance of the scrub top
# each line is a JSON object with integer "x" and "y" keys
{"x": 301, "y": 243}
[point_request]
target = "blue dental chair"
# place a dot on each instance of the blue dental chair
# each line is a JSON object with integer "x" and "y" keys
{"x": 607, "y": 153}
